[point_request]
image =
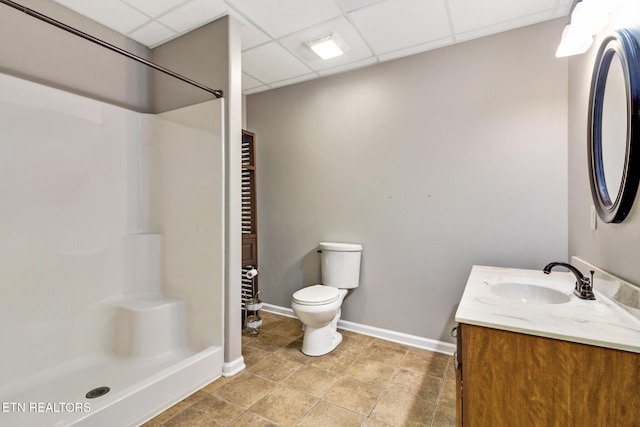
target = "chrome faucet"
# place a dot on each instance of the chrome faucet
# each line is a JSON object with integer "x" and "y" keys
{"x": 584, "y": 285}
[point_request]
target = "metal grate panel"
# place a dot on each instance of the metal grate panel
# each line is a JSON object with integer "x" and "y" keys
{"x": 248, "y": 201}
{"x": 246, "y": 289}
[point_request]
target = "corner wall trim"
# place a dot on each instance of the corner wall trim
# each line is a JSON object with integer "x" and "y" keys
{"x": 229, "y": 369}
{"x": 372, "y": 331}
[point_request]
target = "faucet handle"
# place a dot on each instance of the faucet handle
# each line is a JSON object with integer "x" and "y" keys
{"x": 584, "y": 289}
{"x": 584, "y": 285}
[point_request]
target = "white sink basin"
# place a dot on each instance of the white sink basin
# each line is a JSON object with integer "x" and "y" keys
{"x": 531, "y": 302}
{"x": 528, "y": 293}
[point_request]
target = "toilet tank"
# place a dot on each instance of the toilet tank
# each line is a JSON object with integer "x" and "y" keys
{"x": 340, "y": 264}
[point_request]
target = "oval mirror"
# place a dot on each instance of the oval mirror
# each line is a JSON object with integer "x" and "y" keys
{"x": 614, "y": 126}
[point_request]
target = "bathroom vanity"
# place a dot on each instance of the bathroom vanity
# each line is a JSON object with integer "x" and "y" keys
{"x": 530, "y": 353}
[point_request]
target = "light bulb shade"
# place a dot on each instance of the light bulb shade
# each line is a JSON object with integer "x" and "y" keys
{"x": 591, "y": 16}
{"x": 326, "y": 47}
{"x": 573, "y": 42}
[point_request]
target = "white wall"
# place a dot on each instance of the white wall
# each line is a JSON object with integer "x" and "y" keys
{"x": 211, "y": 55}
{"x": 68, "y": 174}
{"x": 612, "y": 247}
{"x": 185, "y": 149}
{"x": 434, "y": 163}
{"x": 73, "y": 185}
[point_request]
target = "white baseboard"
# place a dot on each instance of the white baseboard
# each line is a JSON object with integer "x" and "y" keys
{"x": 372, "y": 331}
{"x": 229, "y": 369}
{"x": 284, "y": 311}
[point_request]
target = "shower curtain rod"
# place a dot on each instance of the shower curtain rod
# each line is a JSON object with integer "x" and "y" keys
{"x": 216, "y": 92}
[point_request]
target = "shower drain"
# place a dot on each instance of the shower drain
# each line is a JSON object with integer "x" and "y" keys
{"x": 97, "y": 392}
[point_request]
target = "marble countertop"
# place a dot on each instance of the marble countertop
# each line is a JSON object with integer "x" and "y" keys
{"x": 604, "y": 322}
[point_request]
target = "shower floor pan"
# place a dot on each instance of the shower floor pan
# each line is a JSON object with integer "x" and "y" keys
{"x": 138, "y": 390}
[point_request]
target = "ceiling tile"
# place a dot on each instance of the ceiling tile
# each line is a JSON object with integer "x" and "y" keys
{"x": 347, "y": 67}
{"x": 469, "y": 15}
{"x": 349, "y": 5}
{"x": 275, "y": 32}
{"x": 249, "y": 82}
{"x": 152, "y": 34}
{"x": 194, "y": 14}
{"x": 564, "y": 8}
{"x": 294, "y": 80}
{"x": 280, "y": 17}
{"x": 504, "y": 26}
{"x": 153, "y": 8}
{"x": 113, "y": 14}
{"x": 256, "y": 90}
{"x": 251, "y": 36}
{"x": 350, "y": 41}
{"x": 271, "y": 63}
{"x": 416, "y": 49}
{"x": 398, "y": 24}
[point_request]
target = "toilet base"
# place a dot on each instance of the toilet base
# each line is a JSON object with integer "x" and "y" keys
{"x": 320, "y": 341}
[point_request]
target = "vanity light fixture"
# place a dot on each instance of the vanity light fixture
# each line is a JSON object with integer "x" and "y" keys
{"x": 574, "y": 41}
{"x": 589, "y": 17}
{"x": 326, "y": 47}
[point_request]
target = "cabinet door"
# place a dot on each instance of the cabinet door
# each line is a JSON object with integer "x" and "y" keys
{"x": 459, "y": 379}
{"x": 513, "y": 379}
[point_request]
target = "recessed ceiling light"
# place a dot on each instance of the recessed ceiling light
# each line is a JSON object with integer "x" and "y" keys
{"x": 326, "y": 47}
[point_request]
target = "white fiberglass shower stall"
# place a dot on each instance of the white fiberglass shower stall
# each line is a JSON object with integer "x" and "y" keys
{"x": 111, "y": 255}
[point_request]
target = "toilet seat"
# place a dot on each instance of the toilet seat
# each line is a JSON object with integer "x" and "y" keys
{"x": 316, "y": 295}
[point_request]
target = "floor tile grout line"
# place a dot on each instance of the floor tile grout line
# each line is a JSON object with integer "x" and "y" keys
{"x": 283, "y": 385}
{"x": 270, "y": 349}
{"x": 349, "y": 409}
{"x": 307, "y": 412}
{"x": 238, "y": 416}
{"x": 182, "y": 410}
{"x": 343, "y": 375}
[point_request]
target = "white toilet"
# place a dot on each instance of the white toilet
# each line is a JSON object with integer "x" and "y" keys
{"x": 318, "y": 306}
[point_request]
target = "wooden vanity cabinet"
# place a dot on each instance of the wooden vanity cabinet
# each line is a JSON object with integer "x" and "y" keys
{"x": 513, "y": 379}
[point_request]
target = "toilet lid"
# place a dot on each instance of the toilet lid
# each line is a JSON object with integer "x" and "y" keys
{"x": 316, "y": 295}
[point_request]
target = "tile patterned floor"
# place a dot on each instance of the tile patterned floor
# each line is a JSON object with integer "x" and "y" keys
{"x": 364, "y": 382}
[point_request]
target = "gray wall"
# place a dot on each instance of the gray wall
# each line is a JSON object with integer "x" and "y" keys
{"x": 37, "y": 51}
{"x": 434, "y": 163}
{"x": 201, "y": 55}
{"x": 612, "y": 247}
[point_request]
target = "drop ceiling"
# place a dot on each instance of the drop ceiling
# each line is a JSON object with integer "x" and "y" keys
{"x": 275, "y": 32}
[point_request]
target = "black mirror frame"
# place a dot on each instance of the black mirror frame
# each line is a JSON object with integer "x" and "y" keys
{"x": 625, "y": 44}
